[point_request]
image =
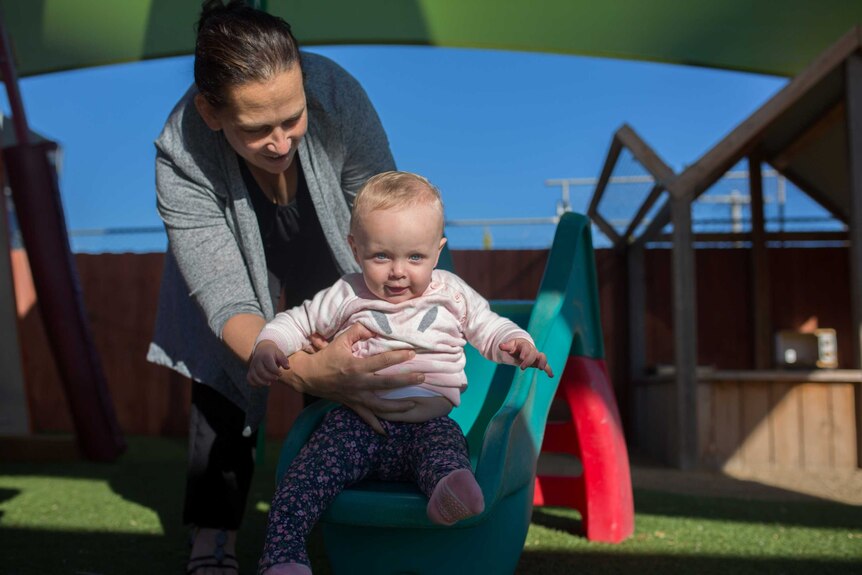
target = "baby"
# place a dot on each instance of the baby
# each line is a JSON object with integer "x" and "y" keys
{"x": 396, "y": 235}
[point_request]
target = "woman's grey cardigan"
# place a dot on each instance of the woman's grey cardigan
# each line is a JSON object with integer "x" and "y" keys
{"x": 215, "y": 266}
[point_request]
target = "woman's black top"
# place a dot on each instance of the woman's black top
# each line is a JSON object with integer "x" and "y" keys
{"x": 297, "y": 253}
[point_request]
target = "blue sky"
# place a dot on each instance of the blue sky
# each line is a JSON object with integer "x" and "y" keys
{"x": 488, "y": 127}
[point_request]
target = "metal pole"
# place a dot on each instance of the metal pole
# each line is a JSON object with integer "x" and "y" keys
{"x": 14, "y": 416}
{"x": 10, "y": 78}
{"x": 853, "y": 80}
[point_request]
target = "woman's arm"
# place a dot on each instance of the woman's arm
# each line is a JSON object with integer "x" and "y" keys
{"x": 240, "y": 332}
{"x": 204, "y": 247}
{"x": 335, "y": 373}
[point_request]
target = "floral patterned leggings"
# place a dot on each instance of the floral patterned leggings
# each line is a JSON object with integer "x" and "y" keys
{"x": 345, "y": 450}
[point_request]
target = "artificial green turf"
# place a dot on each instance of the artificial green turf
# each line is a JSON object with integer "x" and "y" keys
{"x": 124, "y": 518}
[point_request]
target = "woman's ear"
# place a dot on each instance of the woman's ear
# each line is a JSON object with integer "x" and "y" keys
{"x": 208, "y": 113}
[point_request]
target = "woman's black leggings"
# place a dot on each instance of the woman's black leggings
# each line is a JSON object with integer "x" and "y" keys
{"x": 221, "y": 462}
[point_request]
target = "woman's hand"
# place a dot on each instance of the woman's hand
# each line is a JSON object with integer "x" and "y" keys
{"x": 335, "y": 373}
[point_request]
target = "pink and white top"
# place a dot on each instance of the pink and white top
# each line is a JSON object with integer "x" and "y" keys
{"x": 436, "y": 325}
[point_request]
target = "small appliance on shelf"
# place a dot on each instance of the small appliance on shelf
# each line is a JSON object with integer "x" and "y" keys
{"x": 817, "y": 349}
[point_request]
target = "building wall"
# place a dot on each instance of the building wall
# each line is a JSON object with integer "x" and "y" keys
{"x": 810, "y": 288}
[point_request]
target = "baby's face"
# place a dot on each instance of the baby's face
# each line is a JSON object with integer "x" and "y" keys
{"x": 397, "y": 250}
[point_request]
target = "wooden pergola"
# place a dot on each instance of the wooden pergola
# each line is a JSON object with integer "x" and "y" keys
{"x": 810, "y": 132}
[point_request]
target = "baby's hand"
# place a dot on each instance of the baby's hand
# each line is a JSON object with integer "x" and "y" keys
{"x": 526, "y": 355}
{"x": 316, "y": 342}
{"x": 266, "y": 364}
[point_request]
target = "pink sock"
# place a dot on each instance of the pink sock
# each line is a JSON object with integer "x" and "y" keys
{"x": 288, "y": 569}
{"x": 456, "y": 497}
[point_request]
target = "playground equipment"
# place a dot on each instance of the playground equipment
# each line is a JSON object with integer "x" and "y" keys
{"x": 377, "y": 527}
{"x": 603, "y": 492}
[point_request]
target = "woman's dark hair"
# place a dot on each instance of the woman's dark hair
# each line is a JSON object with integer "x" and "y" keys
{"x": 237, "y": 44}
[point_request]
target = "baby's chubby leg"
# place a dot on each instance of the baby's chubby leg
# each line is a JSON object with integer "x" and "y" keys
{"x": 438, "y": 455}
{"x": 340, "y": 452}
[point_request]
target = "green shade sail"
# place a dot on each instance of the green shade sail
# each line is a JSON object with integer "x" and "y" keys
{"x": 768, "y": 36}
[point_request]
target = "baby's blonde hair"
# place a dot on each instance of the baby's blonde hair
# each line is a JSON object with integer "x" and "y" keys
{"x": 395, "y": 190}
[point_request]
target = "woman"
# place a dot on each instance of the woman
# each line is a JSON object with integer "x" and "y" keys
{"x": 256, "y": 169}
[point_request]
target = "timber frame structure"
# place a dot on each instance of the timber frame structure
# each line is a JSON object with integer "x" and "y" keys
{"x": 811, "y": 133}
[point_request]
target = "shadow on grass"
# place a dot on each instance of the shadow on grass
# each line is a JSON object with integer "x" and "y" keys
{"x": 38, "y": 552}
{"x": 5, "y": 495}
{"x": 813, "y": 513}
{"x": 29, "y": 552}
{"x": 554, "y": 563}
{"x": 566, "y": 524}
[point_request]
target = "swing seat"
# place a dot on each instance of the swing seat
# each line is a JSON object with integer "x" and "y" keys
{"x": 379, "y": 528}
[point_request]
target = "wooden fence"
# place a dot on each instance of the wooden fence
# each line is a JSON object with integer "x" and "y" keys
{"x": 811, "y": 289}
{"x": 120, "y": 294}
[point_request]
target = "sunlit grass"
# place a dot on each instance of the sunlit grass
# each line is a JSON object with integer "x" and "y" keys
{"x": 63, "y": 504}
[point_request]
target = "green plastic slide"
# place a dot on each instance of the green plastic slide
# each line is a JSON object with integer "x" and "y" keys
{"x": 381, "y": 528}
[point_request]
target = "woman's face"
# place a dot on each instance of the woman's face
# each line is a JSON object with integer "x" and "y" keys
{"x": 263, "y": 121}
